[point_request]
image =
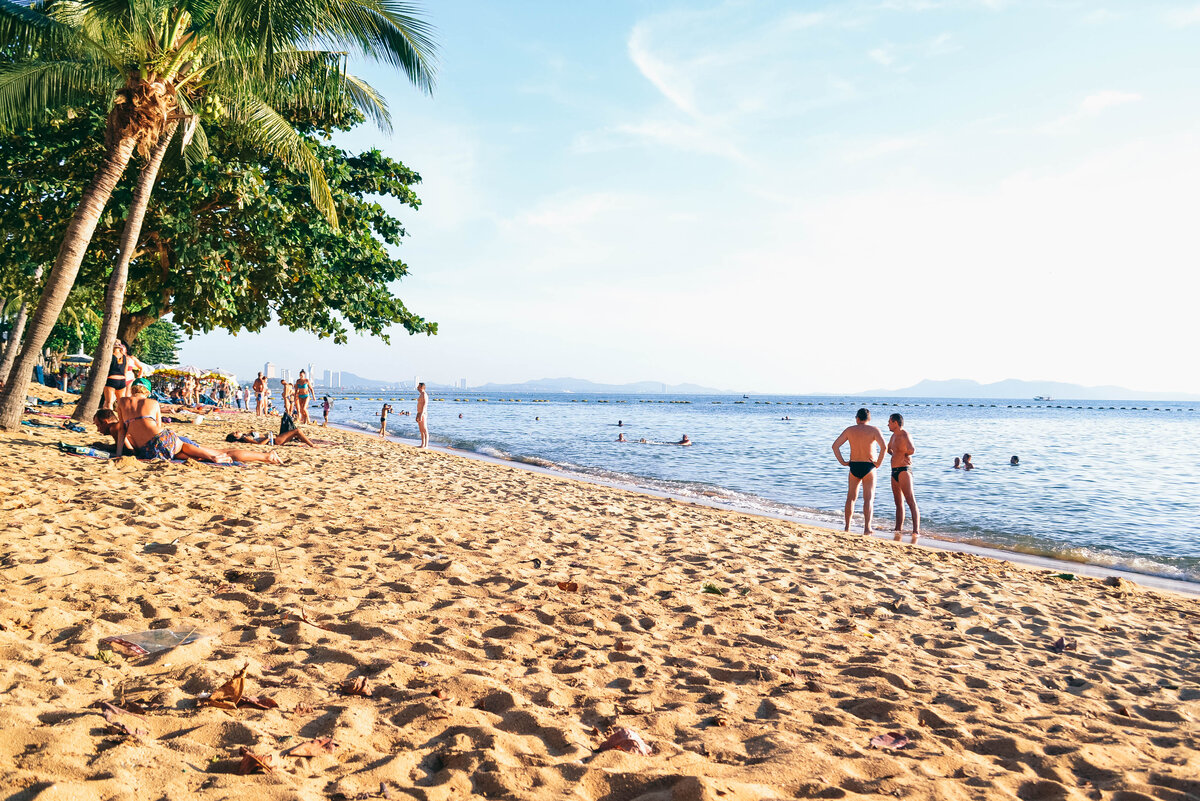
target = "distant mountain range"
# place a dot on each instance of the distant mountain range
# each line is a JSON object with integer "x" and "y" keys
{"x": 1016, "y": 388}
{"x": 579, "y": 385}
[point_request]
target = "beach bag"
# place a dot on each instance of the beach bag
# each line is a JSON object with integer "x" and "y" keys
{"x": 286, "y": 423}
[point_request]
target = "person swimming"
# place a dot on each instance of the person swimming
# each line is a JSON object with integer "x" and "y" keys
{"x": 957, "y": 463}
{"x": 621, "y": 437}
{"x": 684, "y": 441}
{"x": 1016, "y": 460}
{"x": 967, "y": 465}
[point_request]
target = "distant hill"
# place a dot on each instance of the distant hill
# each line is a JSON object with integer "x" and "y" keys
{"x": 1016, "y": 388}
{"x": 580, "y": 385}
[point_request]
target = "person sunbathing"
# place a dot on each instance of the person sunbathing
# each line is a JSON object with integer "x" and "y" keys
{"x": 260, "y": 437}
{"x": 139, "y": 426}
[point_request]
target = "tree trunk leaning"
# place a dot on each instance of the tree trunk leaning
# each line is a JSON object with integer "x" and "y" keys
{"x": 14, "y": 342}
{"x": 62, "y": 277}
{"x": 114, "y": 297}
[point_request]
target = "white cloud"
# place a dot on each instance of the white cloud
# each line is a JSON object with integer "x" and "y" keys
{"x": 882, "y": 55}
{"x": 1183, "y": 17}
{"x": 670, "y": 79}
{"x": 1091, "y": 106}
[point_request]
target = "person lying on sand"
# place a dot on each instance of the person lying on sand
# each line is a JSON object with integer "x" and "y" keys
{"x": 263, "y": 438}
{"x": 139, "y": 424}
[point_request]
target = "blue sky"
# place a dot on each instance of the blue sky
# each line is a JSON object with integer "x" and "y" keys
{"x": 793, "y": 197}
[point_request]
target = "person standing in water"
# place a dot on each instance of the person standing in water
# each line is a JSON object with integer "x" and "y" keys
{"x": 326, "y": 405}
{"x": 383, "y": 413}
{"x": 862, "y": 438}
{"x": 901, "y": 447}
{"x": 422, "y": 417}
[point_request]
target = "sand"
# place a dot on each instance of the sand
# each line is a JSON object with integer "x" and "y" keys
{"x": 459, "y": 628}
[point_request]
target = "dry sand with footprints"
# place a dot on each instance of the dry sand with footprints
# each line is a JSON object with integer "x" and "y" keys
{"x": 420, "y": 625}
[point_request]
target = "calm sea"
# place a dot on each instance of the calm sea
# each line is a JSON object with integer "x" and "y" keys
{"x": 1110, "y": 482}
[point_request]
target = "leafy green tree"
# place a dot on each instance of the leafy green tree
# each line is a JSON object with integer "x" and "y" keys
{"x": 167, "y": 61}
{"x": 231, "y": 242}
{"x": 158, "y": 343}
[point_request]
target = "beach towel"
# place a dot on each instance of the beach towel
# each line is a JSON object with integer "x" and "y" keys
{"x": 80, "y": 450}
{"x": 55, "y": 402}
{"x": 37, "y": 424}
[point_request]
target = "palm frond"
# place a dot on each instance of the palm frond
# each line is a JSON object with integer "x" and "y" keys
{"x": 267, "y": 130}
{"x": 367, "y": 99}
{"x": 31, "y": 90}
{"x": 25, "y": 27}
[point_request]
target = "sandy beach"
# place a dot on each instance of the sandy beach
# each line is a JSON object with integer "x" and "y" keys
{"x": 413, "y": 624}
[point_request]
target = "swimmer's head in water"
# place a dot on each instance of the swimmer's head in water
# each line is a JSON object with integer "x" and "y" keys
{"x": 896, "y": 418}
{"x": 863, "y": 415}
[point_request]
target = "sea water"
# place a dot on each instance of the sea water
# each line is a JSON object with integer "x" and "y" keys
{"x": 1109, "y": 482}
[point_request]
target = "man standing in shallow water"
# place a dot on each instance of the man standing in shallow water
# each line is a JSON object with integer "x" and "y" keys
{"x": 862, "y": 438}
{"x": 422, "y": 419}
{"x": 901, "y": 448}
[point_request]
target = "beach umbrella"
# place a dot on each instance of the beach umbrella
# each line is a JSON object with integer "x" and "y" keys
{"x": 77, "y": 358}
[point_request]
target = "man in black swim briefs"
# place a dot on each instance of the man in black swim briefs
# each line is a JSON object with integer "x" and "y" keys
{"x": 862, "y": 438}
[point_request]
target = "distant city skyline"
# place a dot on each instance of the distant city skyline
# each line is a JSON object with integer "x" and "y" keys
{"x": 815, "y": 198}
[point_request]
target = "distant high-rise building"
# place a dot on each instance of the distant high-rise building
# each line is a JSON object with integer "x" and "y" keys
{"x": 310, "y": 371}
{"x": 270, "y": 370}
{"x": 337, "y": 379}
{"x": 462, "y": 383}
{"x": 286, "y": 374}
{"x": 328, "y": 378}
{"x": 416, "y": 380}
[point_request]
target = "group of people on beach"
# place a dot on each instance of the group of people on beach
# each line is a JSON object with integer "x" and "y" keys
{"x": 864, "y": 439}
{"x": 295, "y": 396}
{"x": 422, "y": 416}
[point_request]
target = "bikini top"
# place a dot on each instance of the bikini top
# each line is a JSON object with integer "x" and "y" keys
{"x": 143, "y": 417}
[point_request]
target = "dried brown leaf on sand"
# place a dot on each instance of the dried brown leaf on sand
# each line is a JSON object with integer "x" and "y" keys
{"x": 258, "y": 702}
{"x": 1062, "y": 644}
{"x": 228, "y": 694}
{"x": 891, "y": 741}
{"x": 623, "y": 739}
{"x": 568, "y": 586}
{"x": 121, "y": 727}
{"x": 252, "y": 761}
{"x": 356, "y": 686}
{"x": 621, "y": 645}
{"x": 312, "y": 748}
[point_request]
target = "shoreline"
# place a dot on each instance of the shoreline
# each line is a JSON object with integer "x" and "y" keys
{"x": 412, "y": 624}
{"x": 933, "y": 541}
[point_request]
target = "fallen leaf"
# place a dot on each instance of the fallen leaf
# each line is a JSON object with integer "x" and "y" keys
{"x": 228, "y": 694}
{"x": 303, "y": 709}
{"x": 252, "y": 761}
{"x": 312, "y": 748}
{"x": 356, "y": 686}
{"x": 1062, "y": 644}
{"x": 121, "y": 727}
{"x": 892, "y": 741}
{"x": 568, "y": 586}
{"x": 628, "y": 740}
{"x": 621, "y": 645}
{"x": 720, "y": 720}
{"x": 713, "y": 589}
{"x": 258, "y": 702}
{"x": 1124, "y": 711}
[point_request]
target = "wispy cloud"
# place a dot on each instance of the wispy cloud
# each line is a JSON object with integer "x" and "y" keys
{"x": 672, "y": 80}
{"x": 1091, "y": 106}
{"x": 1183, "y": 17}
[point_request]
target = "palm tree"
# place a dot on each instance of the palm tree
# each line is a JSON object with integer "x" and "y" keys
{"x": 167, "y": 62}
{"x": 17, "y": 331}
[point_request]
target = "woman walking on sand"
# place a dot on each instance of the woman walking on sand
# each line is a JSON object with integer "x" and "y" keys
{"x": 422, "y": 419}
{"x": 304, "y": 393}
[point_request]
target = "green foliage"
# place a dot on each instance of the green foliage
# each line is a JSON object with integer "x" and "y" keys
{"x": 158, "y": 343}
{"x": 230, "y": 242}
{"x": 69, "y": 336}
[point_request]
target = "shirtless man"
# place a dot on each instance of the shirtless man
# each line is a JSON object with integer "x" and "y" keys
{"x": 139, "y": 425}
{"x": 900, "y": 446}
{"x": 422, "y": 418}
{"x": 862, "y": 464}
{"x": 260, "y": 398}
{"x": 383, "y": 413}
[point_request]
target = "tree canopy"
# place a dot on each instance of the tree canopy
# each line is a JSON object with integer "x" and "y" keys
{"x": 231, "y": 242}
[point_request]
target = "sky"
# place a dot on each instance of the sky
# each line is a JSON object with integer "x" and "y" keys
{"x": 791, "y": 196}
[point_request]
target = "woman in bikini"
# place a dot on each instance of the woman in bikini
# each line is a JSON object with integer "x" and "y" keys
{"x": 114, "y": 386}
{"x": 304, "y": 393}
{"x": 139, "y": 424}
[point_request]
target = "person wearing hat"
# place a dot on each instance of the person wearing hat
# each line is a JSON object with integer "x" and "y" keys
{"x": 139, "y": 425}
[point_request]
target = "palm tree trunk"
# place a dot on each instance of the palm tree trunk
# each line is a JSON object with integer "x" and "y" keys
{"x": 14, "y": 341}
{"x": 114, "y": 298}
{"x": 62, "y": 276}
